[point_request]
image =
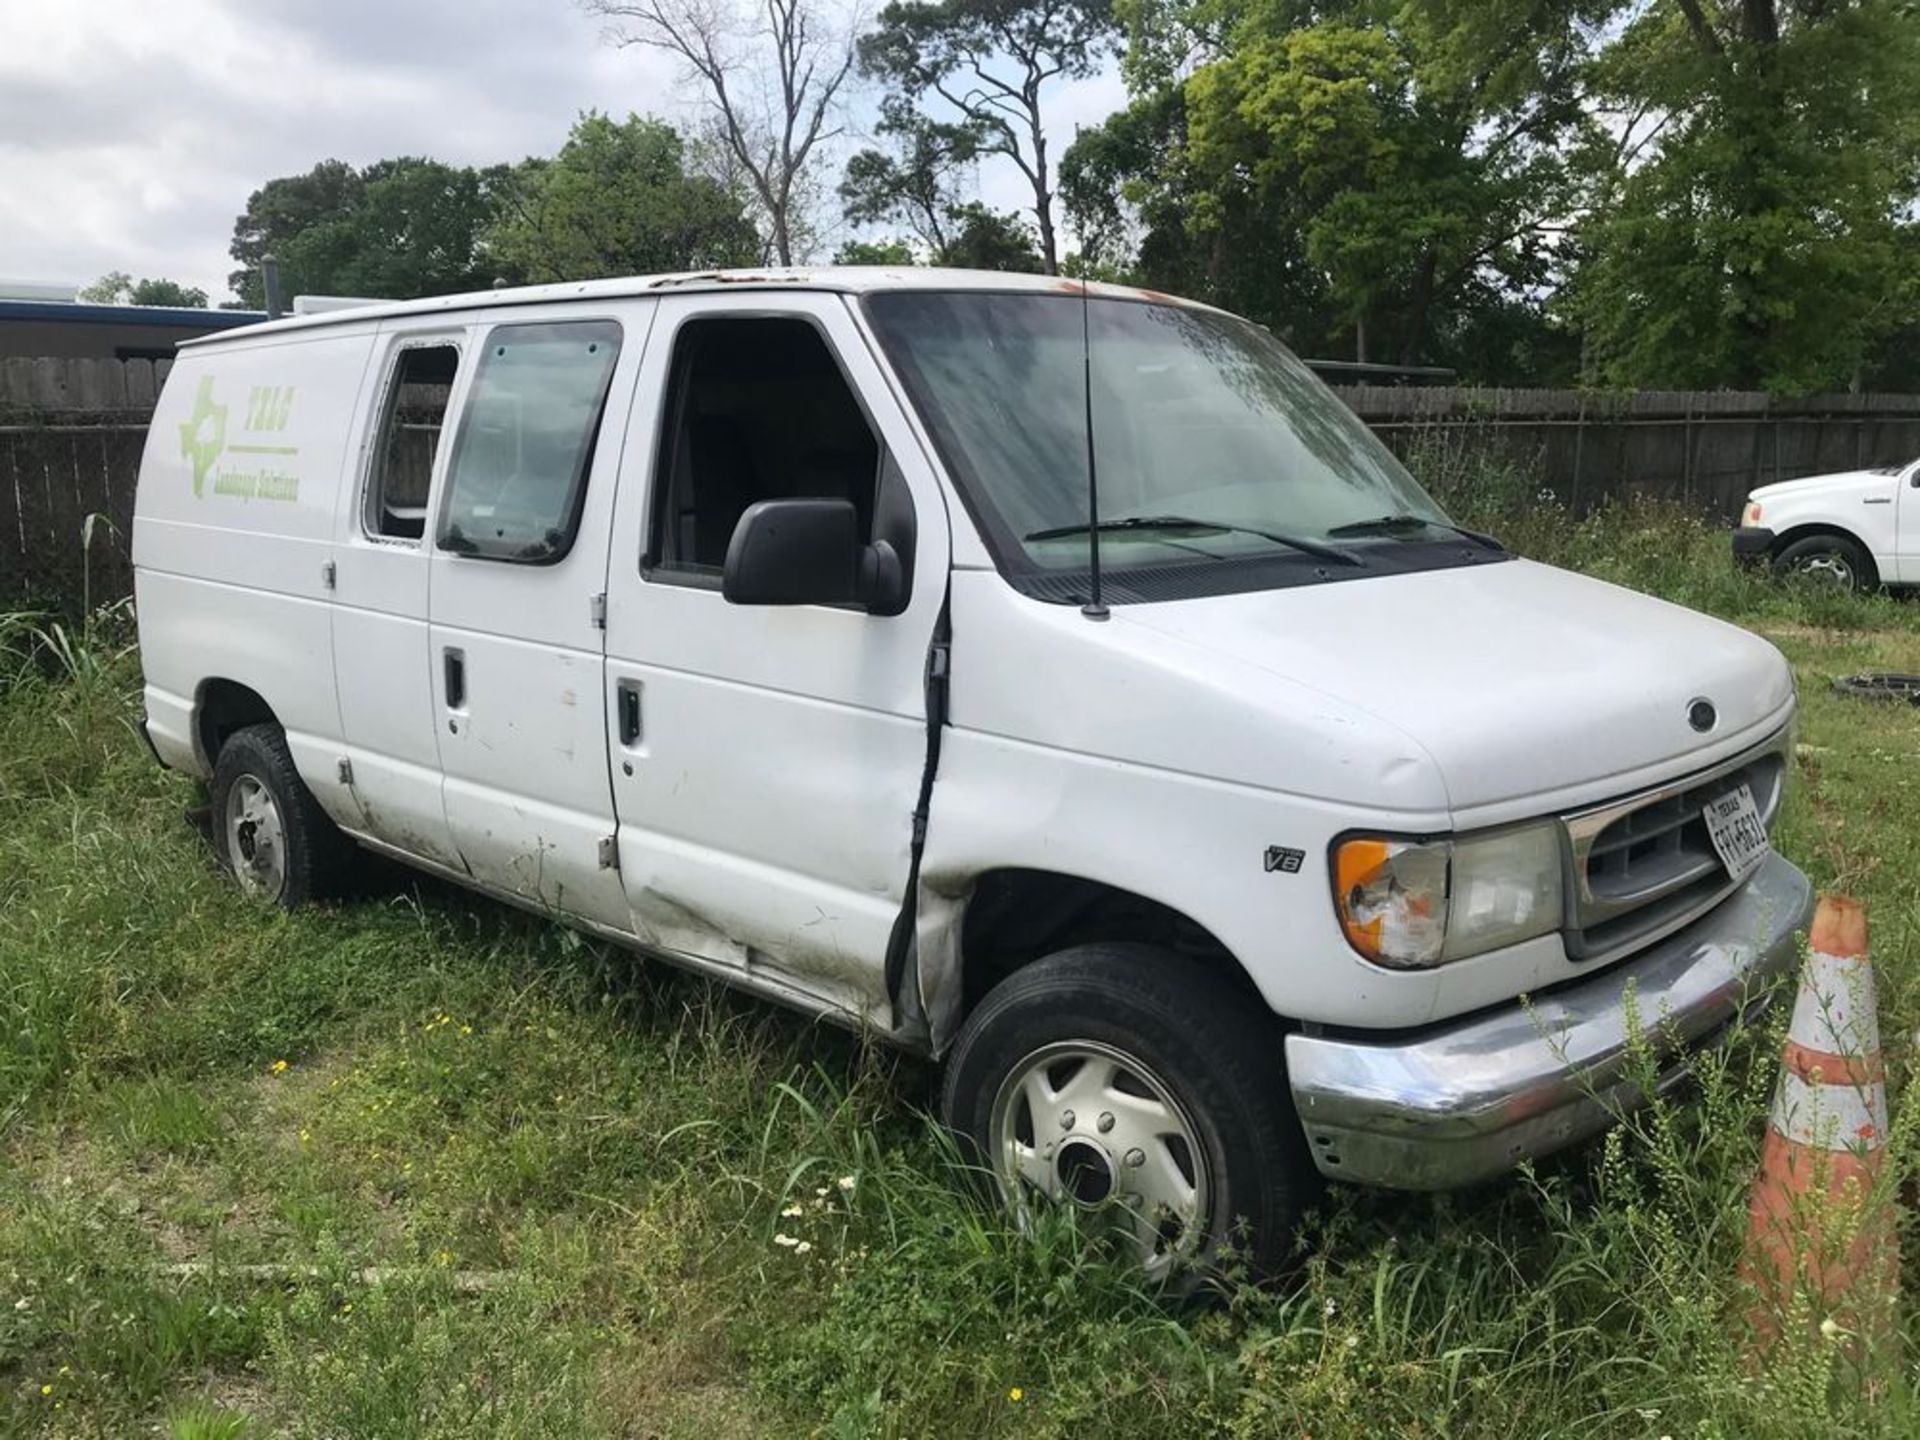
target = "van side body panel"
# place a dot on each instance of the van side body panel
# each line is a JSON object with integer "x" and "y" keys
{"x": 233, "y": 536}
{"x": 1036, "y": 773}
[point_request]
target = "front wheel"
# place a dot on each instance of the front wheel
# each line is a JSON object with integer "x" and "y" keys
{"x": 1131, "y": 1083}
{"x": 1828, "y": 559}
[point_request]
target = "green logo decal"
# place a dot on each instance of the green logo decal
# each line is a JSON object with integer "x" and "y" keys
{"x": 203, "y": 435}
{"x": 203, "y": 443}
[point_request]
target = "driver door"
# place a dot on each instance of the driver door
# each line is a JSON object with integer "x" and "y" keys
{"x": 767, "y": 758}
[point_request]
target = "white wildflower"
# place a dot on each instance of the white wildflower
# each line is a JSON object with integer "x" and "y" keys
{"x": 803, "y": 1247}
{"x": 821, "y": 1193}
{"x": 787, "y": 1242}
{"x": 792, "y": 1212}
{"x": 846, "y": 1184}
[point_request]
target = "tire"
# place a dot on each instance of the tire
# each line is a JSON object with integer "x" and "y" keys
{"x": 267, "y": 827}
{"x": 1127, "y": 1068}
{"x": 1837, "y": 559}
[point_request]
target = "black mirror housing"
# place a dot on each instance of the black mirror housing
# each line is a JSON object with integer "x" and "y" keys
{"x": 808, "y": 552}
{"x": 795, "y": 552}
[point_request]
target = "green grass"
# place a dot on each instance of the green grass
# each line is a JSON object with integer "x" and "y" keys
{"x": 511, "y": 1182}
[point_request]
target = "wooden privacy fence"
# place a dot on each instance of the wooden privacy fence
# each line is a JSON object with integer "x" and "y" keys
{"x": 1706, "y": 449}
{"x": 71, "y": 433}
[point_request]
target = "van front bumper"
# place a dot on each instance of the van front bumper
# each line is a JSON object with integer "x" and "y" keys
{"x": 1470, "y": 1099}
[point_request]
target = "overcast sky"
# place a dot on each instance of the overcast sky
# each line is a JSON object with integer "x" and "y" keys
{"x": 132, "y": 132}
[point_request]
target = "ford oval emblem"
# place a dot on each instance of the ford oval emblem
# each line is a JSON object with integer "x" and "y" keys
{"x": 1701, "y": 715}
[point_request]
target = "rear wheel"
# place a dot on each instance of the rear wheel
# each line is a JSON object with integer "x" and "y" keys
{"x": 1128, "y": 1082}
{"x": 1834, "y": 560}
{"x": 268, "y": 828}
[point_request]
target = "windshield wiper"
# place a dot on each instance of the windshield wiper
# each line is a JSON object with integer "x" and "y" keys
{"x": 1396, "y": 524}
{"x": 1186, "y": 522}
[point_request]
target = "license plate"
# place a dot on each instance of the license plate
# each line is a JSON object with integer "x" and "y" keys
{"x": 1739, "y": 838}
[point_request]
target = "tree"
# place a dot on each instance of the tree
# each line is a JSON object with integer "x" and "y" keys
{"x": 281, "y": 209}
{"x": 112, "y": 288}
{"x": 773, "y": 86}
{"x": 1754, "y": 218}
{"x": 984, "y": 239}
{"x": 875, "y": 252}
{"x": 988, "y": 62}
{"x": 397, "y": 229}
{"x": 168, "y": 292}
{"x": 1134, "y": 198}
{"x": 1363, "y": 175}
{"x": 918, "y": 182}
{"x": 1423, "y": 142}
{"x": 117, "y": 287}
{"x": 616, "y": 200}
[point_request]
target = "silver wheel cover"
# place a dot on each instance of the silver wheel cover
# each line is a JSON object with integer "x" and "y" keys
{"x": 1082, "y": 1123}
{"x": 256, "y": 838}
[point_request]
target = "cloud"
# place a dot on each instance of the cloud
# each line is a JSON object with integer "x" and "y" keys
{"x": 132, "y": 133}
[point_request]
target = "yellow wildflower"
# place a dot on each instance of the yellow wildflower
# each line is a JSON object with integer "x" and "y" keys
{"x": 1016, "y": 1394}
{"x": 279, "y": 1067}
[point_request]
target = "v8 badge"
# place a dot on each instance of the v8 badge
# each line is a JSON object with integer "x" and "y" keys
{"x": 1285, "y": 860}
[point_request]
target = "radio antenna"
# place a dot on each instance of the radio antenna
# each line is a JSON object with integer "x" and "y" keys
{"x": 1093, "y": 609}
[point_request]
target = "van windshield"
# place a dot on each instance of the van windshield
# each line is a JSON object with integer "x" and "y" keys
{"x": 1213, "y": 442}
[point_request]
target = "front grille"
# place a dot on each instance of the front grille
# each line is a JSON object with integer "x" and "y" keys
{"x": 1644, "y": 866}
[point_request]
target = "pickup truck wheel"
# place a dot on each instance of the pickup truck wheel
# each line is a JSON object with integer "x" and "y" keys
{"x": 1130, "y": 1083}
{"x": 1833, "y": 559}
{"x": 268, "y": 828}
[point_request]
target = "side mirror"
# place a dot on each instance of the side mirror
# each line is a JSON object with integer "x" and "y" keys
{"x": 808, "y": 552}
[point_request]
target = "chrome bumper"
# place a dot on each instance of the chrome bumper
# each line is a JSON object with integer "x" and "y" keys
{"x": 1472, "y": 1098}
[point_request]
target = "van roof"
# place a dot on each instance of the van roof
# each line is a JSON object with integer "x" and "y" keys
{"x": 851, "y": 279}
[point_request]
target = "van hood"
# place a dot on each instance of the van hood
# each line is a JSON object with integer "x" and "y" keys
{"x": 1518, "y": 679}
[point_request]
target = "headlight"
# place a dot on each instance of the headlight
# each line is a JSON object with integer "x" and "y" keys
{"x": 1417, "y": 903}
{"x": 1750, "y": 517}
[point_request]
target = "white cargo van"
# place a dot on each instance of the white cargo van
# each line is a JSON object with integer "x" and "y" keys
{"x": 749, "y": 620}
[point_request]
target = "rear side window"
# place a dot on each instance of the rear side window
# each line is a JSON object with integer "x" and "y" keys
{"x": 520, "y": 461}
{"x": 410, "y": 424}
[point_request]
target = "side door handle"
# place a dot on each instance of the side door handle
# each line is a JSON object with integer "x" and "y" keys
{"x": 455, "y": 661}
{"x": 628, "y": 694}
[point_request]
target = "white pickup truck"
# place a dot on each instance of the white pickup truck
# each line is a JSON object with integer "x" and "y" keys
{"x": 1857, "y": 529}
{"x": 756, "y": 622}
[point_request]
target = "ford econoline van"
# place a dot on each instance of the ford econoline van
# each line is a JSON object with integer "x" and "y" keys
{"x": 1056, "y": 681}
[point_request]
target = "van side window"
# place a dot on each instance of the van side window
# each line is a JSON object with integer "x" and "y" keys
{"x": 416, "y": 408}
{"x": 757, "y": 409}
{"x": 526, "y": 438}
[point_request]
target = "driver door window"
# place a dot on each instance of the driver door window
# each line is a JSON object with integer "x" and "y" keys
{"x": 757, "y": 409}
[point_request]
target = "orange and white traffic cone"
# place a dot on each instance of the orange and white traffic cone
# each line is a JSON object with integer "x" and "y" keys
{"x": 1811, "y": 1230}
